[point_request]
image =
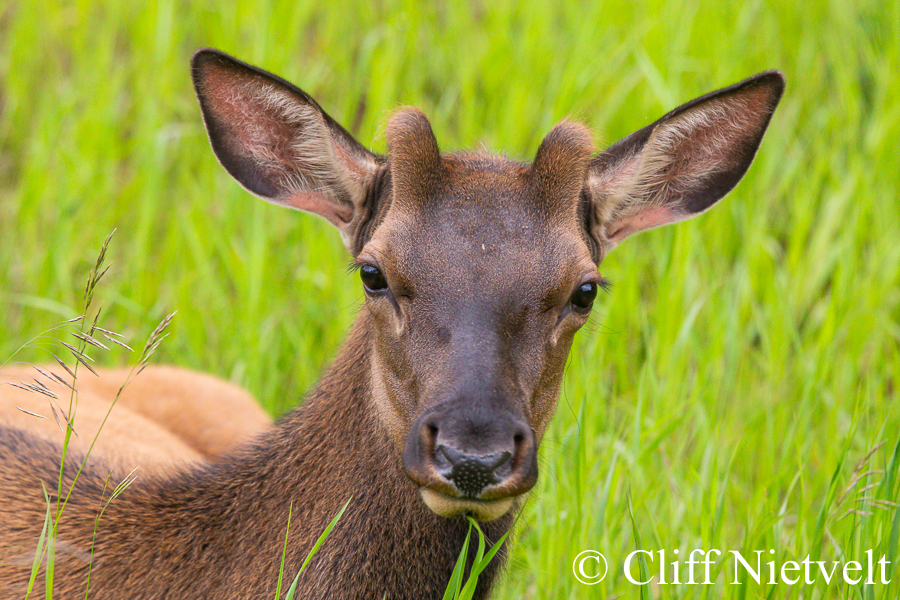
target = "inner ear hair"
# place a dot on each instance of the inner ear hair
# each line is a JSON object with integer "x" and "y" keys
{"x": 683, "y": 163}
{"x": 278, "y": 143}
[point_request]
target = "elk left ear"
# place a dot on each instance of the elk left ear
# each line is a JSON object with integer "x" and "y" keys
{"x": 680, "y": 165}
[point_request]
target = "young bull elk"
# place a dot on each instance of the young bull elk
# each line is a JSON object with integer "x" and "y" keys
{"x": 478, "y": 270}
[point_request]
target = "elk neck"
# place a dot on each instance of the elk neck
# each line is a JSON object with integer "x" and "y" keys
{"x": 331, "y": 449}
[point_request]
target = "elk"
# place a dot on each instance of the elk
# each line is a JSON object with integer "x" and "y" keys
{"x": 177, "y": 412}
{"x": 477, "y": 272}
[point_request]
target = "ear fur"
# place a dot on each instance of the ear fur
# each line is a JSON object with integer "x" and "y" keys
{"x": 558, "y": 172}
{"x": 280, "y": 145}
{"x": 415, "y": 159}
{"x": 680, "y": 165}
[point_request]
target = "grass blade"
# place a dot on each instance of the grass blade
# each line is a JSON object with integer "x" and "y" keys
{"x": 315, "y": 548}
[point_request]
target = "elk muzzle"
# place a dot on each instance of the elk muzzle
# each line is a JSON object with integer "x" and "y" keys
{"x": 470, "y": 462}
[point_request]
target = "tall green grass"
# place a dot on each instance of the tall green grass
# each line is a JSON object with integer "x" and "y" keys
{"x": 723, "y": 393}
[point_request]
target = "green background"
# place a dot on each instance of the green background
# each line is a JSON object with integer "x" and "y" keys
{"x": 727, "y": 392}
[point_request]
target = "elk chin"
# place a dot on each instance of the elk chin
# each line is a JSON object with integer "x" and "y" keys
{"x": 450, "y": 508}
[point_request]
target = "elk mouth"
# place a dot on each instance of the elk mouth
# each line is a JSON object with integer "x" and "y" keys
{"x": 450, "y": 507}
{"x": 446, "y": 499}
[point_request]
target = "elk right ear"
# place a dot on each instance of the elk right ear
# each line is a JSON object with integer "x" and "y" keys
{"x": 680, "y": 165}
{"x": 281, "y": 146}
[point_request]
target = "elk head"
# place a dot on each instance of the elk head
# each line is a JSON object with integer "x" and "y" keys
{"x": 477, "y": 270}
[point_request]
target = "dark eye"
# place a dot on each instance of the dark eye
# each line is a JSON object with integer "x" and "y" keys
{"x": 372, "y": 278}
{"x": 584, "y": 295}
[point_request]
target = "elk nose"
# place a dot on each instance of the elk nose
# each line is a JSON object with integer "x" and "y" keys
{"x": 471, "y": 473}
{"x": 471, "y": 456}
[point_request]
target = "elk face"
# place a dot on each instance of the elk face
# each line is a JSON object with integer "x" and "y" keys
{"x": 476, "y": 280}
{"x": 477, "y": 270}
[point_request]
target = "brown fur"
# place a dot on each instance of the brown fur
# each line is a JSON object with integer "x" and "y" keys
{"x": 475, "y": 270}
{"x": 165, "y": 416}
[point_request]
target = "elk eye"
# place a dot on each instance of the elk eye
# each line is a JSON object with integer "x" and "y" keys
{"x": 584, "y": 295}
{"x": 372, "y": 278}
